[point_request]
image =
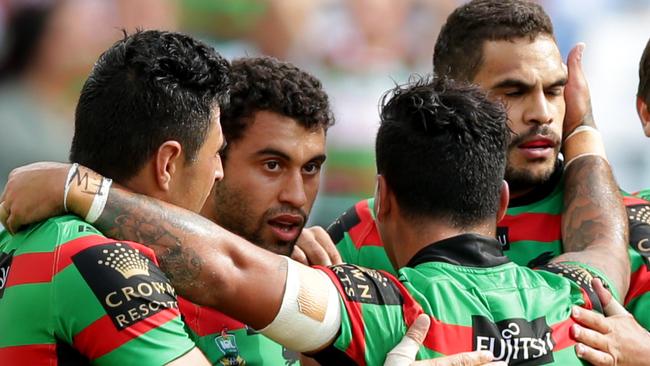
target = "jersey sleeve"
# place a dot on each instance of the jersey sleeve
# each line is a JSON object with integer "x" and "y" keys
{"x": 114, "y": 305}
{"x": 582, "y": 274}
{"x": 373, "y": 319}
{"x": 357, "y": 238}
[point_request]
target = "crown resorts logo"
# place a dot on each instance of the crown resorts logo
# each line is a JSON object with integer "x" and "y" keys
{"x": 127, "y": 261}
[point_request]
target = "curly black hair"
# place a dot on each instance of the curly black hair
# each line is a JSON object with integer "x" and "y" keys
{"x": 267, "y": 84}
{"x": 149, "y": 87}
{"x": 458, "y": 52}
{"x": 441, "y": 146}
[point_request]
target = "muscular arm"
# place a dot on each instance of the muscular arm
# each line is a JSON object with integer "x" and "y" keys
{"x": 594, "y": 222}
{"x": 205, "y": 263}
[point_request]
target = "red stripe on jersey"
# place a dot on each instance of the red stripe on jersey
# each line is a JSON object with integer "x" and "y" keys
{"x": 561, "y": 335}
{"x": 533, "y": 226}
{"x": 39, "y": 267}
{"x": 365, "y": 232}
{"x": 443, "y": 338}
{"x": 33, "y": 354}
{"x": 357, "y": 348}
{"x": 587, "y": 305}
{"x": 204, "y": 321}
{"x": 629, "y": 201}
{"x": 639, "y": 284}
{"x": 102, "y": 337}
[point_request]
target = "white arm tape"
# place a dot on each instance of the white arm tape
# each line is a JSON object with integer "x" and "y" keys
{"x": 310, "y": 314}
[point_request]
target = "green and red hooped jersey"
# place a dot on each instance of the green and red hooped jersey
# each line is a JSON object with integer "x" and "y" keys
{"x": 476, "y": 298}
{"x": 530, "y": 234}
{"x": 226, "y": 341}
{"x": 68, "y": 295}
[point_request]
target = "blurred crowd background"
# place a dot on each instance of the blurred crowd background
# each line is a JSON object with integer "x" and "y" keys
{"x": 358, "y": 48}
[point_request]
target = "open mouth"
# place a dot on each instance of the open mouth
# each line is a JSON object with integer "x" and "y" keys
{"x": 286, "y": 227}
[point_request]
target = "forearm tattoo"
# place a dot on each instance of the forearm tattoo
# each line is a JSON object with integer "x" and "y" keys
{"x": 144, "y": 220}
{"x": 594, "y": 216}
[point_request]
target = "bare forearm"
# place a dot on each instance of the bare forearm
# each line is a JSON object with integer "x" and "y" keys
{"x": 594, "y": 223}
{"x": 206, "y": 264}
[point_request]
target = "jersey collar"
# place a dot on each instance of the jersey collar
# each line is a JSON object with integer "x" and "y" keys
{"x": 470, "y": 250}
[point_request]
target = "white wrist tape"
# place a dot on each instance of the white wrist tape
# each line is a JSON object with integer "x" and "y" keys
{"x": 68, "y": 181}
{"x": 566, "y": 166}
{"x": 581, "y": 129}
{"x": 99, "y": 201}
{"x": 310, "y": 314}
{"x": 403, "y": 354}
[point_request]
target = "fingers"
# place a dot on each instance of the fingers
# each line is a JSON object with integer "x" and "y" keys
{"x": 589, "y": 337}
{"x": 590, "y": 319}
{"x": 318, "y": 247}
{"x": 594, "y": 356}
{"x": 4, "y": 215}
{"x": 299, "y": 256}
{"x": 323, "y": 238}
{"x": 604, "y": 295}
{"x": 462, "y": 359}
{"x": 418, "y": 330}
{"x": 610, "y": 305}
{"x": 574, "y": 62}
{"x": 404, "y": 353}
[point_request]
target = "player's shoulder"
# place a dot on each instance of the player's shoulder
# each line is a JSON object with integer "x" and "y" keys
{"x": 364, "y": 285}
{"x": 579, "y": 274}
{"x": 358, "y": 222}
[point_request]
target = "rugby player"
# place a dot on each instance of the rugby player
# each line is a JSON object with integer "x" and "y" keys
{"x": 275, "y": 127}
{"x": 300, "y": 307}
{"x": 507, "y": 48}
{"x": 68, "y": 293}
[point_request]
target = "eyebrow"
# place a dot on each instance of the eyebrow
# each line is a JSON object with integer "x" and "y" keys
{"x": 519, "y": 84}
{"x": 275, "y": 152}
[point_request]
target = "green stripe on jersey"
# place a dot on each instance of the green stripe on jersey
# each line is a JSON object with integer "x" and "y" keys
{"x": 158, "y": 346}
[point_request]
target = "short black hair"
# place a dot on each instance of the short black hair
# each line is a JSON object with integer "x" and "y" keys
{"x": 441, "y": 146}
{"x": 644, "y": 75}
{"x": 267, "y": 84}
{"x": 149, "y": 87}
{"x": 458, "y": 52}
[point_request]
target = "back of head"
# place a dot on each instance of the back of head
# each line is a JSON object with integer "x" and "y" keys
{"x": 266, "y": 84}
{"x": 643, "y": 91}
{"x": 441, "y": 149}
{"x": 458, "y": 51}
{"x": 148, "y": 88}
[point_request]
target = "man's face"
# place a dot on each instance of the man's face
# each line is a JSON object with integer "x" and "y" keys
{"x": 271, "y": 179}
{"x": 196, "y": 177}
{"x": 529, "y": 77}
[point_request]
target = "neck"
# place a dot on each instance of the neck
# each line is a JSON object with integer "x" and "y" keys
{"x": 408, "y": 238}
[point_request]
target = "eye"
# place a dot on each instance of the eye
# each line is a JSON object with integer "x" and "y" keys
{"x": 514, "y": 93}
{"x": 311, "y": 168}
{"x": 556, "y": 92}
{"x": 272, "y": 165}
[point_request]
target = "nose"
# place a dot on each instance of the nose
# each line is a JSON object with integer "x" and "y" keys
{"x": 293, "y": 190}
{"x": 538, "y": 110}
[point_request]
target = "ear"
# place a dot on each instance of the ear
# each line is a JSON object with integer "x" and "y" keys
{"x": 644, "y": 115}
{"x": 382, "y": 198}
{"x": 167, "y": 160}
{"x": 503, "y": 200}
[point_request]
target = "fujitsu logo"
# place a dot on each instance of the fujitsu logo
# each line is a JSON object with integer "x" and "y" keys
{"x": 515, "y": 341}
